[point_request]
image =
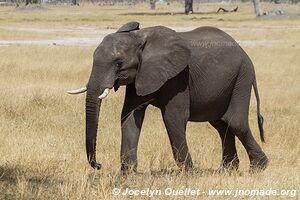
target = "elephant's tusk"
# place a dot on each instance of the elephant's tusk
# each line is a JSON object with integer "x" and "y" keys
{"x": 77, "y": 91}
{"x": 104, "y": 94}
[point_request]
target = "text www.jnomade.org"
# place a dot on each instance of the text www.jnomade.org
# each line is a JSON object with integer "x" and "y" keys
{"x": 211, "y": 44}
{"x": 149, "y": 192}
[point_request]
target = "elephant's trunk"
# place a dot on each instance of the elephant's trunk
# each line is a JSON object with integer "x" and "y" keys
{"x": 93, "y": 104}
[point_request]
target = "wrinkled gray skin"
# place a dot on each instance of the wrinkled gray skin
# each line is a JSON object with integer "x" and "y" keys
{"x": 200, "y": 75}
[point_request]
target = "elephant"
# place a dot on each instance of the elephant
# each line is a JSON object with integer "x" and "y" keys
{"x": 201, "y": 75}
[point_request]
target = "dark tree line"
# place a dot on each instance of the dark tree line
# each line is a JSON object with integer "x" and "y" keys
{"x": 188, "y": 4}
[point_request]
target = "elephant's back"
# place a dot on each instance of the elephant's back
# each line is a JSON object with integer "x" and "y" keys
{"x": 214, "y": 66}
{"x": 207, "y": 40}
{"x": 206, "y": 33}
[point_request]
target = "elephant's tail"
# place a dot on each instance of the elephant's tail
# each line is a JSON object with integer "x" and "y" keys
{"x": 260, "y": 118}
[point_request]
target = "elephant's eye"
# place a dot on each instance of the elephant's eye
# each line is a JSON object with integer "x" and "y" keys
{"x": 119, "y": 63}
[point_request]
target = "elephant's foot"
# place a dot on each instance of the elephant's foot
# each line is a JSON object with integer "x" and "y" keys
{"x": 129, "y": 168}
{"x": 228, "y": 171}
{"x": 259, "y": 165}
{"x": 229, "y": 165}
{"x": 122, "y": 177}
{"x": 129, "y": 173}
{"x": 186, "y": 165}
{"x": 95, "y": 165}
{"x": 186, "y": 168}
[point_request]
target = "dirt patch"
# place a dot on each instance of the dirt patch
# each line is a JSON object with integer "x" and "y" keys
{"x": 92, "y": 36}
{"x": 68, "y": 41}
{"x": 31, "y": 8}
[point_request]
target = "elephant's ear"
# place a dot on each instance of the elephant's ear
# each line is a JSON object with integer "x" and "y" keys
{"x": 130, "y": 26}
{"x": 164, "y": 56}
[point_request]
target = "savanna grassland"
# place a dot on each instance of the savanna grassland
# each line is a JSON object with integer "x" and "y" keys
{"x": 42, "y": 141}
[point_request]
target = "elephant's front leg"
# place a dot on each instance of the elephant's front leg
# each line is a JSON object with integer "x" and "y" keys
{"x": 131, "y": 127}
{"x": 175, "y": 114}
{"x": 132, "y": 118}
{"x": 176, "y": 132}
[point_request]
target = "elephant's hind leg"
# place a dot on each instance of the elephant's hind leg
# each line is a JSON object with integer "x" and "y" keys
{"x": 258, "y": 159}
{"x": 230, "y": 158}
{"x": 236, "y": 117}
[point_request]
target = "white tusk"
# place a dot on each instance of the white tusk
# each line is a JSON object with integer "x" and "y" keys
{"x": 77, "y": 91}
{"x": 104, "y": 94}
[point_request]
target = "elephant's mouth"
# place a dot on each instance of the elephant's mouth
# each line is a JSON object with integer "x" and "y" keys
{"x": 117, "y": 84}
{"x": 122, "y": 80}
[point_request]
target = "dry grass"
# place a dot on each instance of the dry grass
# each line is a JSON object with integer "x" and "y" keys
{"x": 42, "y": 154}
